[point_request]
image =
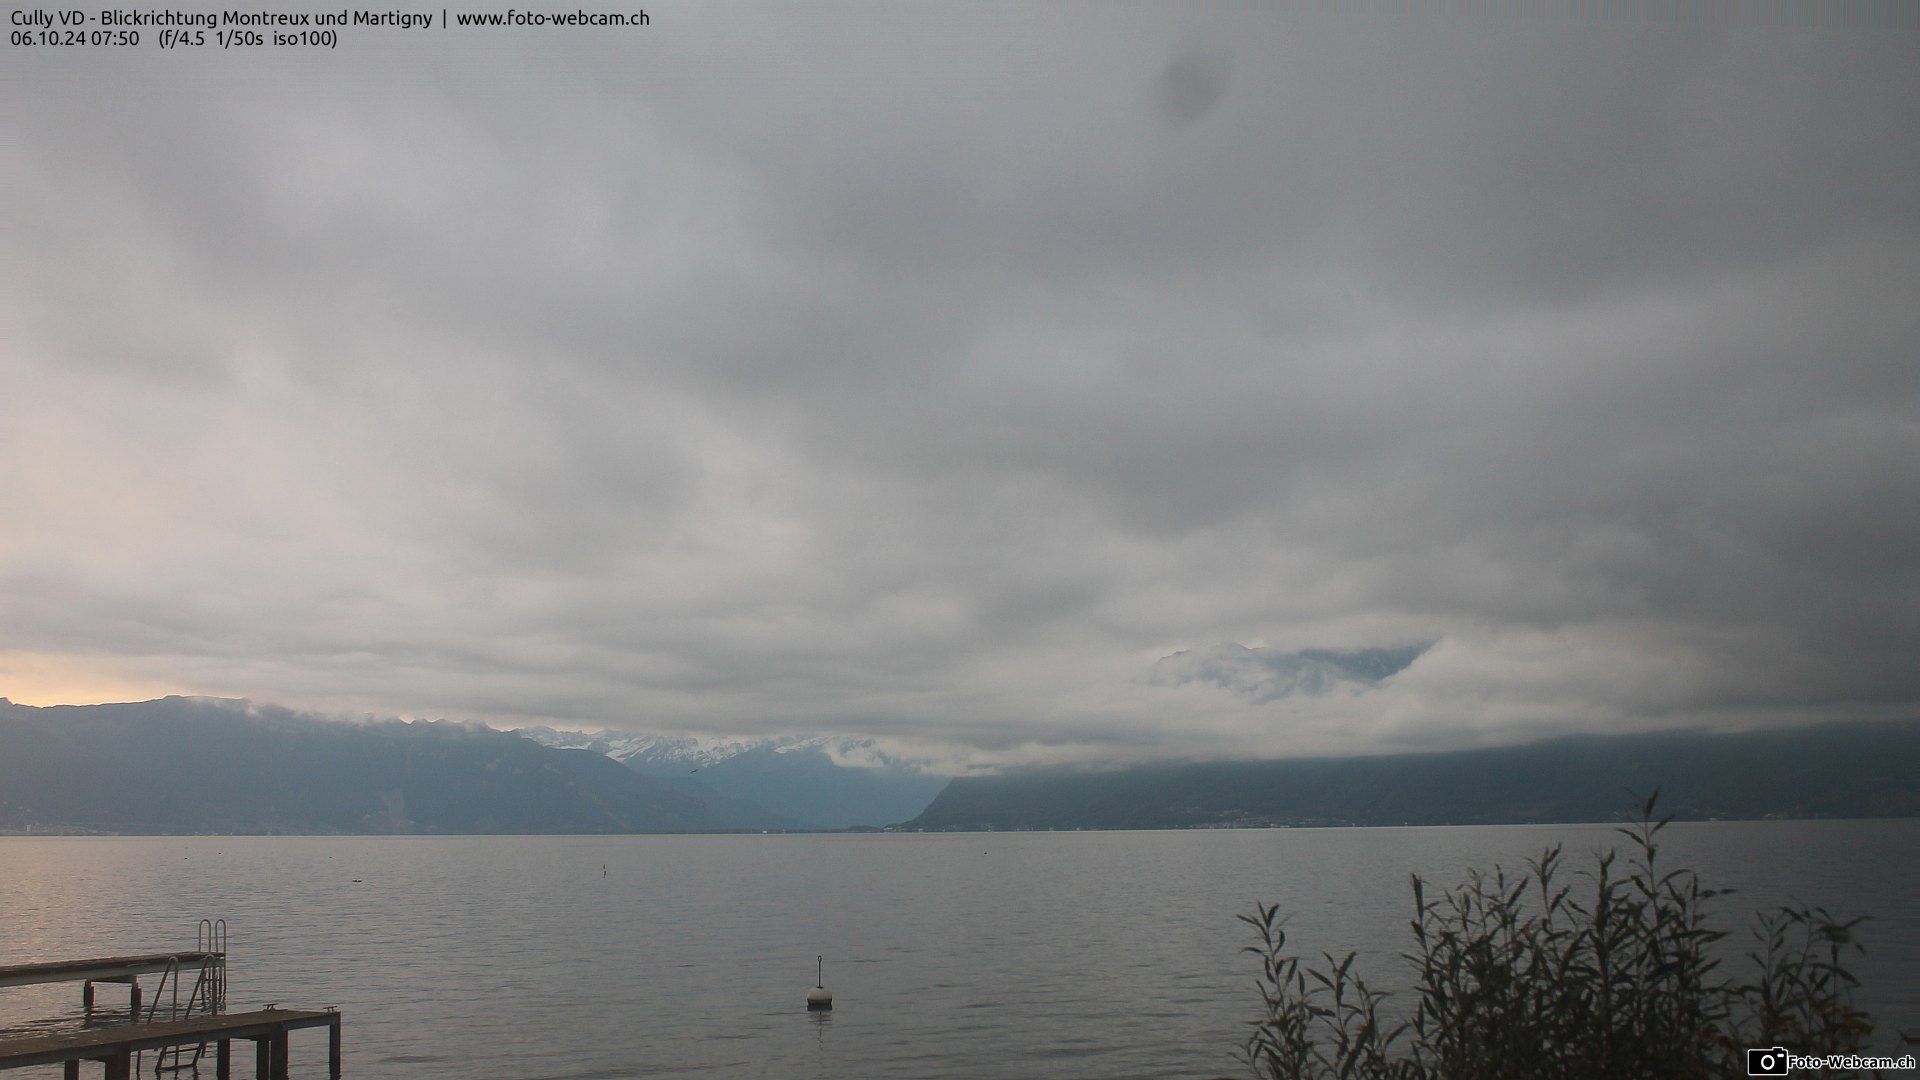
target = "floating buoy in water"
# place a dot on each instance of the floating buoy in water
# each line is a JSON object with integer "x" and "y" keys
{"x": 819, "y": 998}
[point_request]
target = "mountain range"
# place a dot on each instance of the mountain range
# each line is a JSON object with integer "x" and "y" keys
{"x": 822, "y": 781}
{"x": 183, "y": 764}
{"x": 186, "y": 765}
{"x": 1841, "y": 770}
{"x": 208, "y": 765}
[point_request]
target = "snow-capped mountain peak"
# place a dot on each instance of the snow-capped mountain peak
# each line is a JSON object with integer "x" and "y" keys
{"x": 827, "y": 780}
{"x": 643, "y": 750}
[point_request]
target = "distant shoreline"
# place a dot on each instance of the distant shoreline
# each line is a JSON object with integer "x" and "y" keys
{"x": 71, "y": 834}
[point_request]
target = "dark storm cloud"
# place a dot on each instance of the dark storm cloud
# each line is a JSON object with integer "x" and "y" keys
{"x": 933, "y": 376}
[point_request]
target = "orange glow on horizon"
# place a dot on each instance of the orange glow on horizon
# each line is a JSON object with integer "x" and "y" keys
{"x": 41, "y": 679}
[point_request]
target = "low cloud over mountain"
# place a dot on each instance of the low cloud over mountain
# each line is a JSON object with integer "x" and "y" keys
{"x": 812, "y": 780}
{"x": 1264, "y": 675}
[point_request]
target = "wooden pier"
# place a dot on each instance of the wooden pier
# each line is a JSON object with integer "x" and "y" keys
{"x": 103, "y": 969}
{"x": 179, "y": 1038}
{"x": 114, "y": 969}
{"x": 116, "y": 1045}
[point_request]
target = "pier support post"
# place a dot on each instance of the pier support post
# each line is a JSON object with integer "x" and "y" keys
{"x": 263, "y": 1058}
{"x": 73, "y": 1069}
{"x": 333, "y": 1049}
{"x": 86, "y": 999}
{"x": 135, "y": 983}
{"x": 120, "y": 1066}
{"x": 280, "y": 1054}
{"x": 223, "y": 1060}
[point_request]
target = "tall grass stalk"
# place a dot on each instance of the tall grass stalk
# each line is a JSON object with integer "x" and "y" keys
{"x": 1607, "y": 972}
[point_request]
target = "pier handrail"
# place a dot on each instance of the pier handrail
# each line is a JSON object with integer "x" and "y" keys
{"x": 207, "y": 983}
{"x": 171, "y": 973}
{"x": 211, "y": 937}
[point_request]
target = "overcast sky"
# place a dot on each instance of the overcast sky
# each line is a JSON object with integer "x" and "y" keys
{"x": 1018, "y": 382}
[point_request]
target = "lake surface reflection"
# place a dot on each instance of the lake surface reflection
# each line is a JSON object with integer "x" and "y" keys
{"x": 956, "y": 955}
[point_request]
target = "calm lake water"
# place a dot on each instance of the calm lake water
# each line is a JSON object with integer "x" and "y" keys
{"x": 958, "y": 955}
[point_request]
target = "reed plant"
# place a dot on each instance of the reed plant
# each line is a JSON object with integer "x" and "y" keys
{"x": 1613, "y": 971}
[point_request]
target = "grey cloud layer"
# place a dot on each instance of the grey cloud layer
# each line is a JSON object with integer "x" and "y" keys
{"x": 932, "y": 376}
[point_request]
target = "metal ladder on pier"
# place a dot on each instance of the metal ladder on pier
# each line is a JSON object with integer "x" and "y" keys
{"x": 208, "y": 997}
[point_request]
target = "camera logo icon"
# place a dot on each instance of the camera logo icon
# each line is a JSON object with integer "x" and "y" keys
{"x": 1771, "y": 1061}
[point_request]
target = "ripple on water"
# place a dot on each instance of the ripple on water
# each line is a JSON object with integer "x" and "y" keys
{"x": 1079, "y": 955}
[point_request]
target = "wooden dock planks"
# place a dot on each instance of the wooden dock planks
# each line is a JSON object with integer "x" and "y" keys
{"x": 116, "y": 1045}
{"x": 101, "y": 969}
